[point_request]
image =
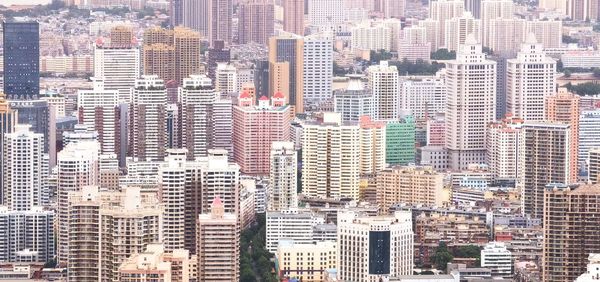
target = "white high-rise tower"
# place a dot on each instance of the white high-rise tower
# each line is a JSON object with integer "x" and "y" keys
{"x": 470, "y": 106}
{"x": 530, "y": 78}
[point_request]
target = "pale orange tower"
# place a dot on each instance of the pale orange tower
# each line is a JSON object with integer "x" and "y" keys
{"x": 564, "y": 107}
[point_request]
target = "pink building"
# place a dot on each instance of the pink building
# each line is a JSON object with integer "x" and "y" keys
{"x": 256, "y": 127}
{"x": 436, "y": 135}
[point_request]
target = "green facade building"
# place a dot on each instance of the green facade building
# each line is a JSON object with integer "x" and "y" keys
{"x": 400, "y": 141}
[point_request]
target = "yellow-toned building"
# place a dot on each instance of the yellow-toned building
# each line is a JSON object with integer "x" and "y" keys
{"x": 305, "y": 261}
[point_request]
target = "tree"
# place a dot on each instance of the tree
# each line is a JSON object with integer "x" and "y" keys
{"x": 443, "y": 54}
{"x": 588, "y": 88}
{"x": 381, "y": 55}
{"x": 596, "y": 72}
{"x": 567, "y": 73}
{"x": 442, "y": 257}
{"x": 487, "y": 50}
{"x": 339, "y": 71}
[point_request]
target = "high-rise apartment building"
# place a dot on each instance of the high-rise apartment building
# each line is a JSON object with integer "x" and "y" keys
{"x": 414, "y": 45}
{"x": 393, "y": 8}
{"x": 411, "y": 184}
{"x": 156, "y": 263}
{"x": 423, "y": 96}
{"x": 442, "y": 11}
{"x": 593, "y": 166}
{"x": 220, "y": 15}
{"x": 78, "y": 166}
{"x": 255, "y": 128}
{"x": 216, "y": 54}
{"x": 256, "y": 21}
{"x": 283, "y": 177}
{"x": 289, "y": 50}
{"x": 545, "y": 32}
{"x": 190, "y": 9}
{"x": 171, "y": 183}
{"x": 317, "y": 70}
{"x": 330, "y": 150}
{"x": 294, "y": 225}
{"x": 147, "y": 114}
{"x": 431, "y": 27}
{"x": 325, "y": 12}
{"x": 99, "y": 109}
{"x": 116, "y": 67}
{"x": 571, "y": 230}
{"x": 21, "y": 41}
{"x": 457, "y": 29}
{"x": 554, "y": 5}
{"x": 494, "y": 10}
{"x": 206, "y": 178}
{"x": 8, "y": 121}
{"x": 505, "y": 36}
{"x": 372, "y": 145}
{"x": 171, "y": 54}
{"x": 371, "y": 35}
{"x": 589, "y": 136}
{"x": 530, "y": 79}
{"x": 222, "y": 125}
{"x": 502, "y": 142}
{"x": 293, "y": 16}
{"x": 25, "y": 169}
{"x": 121, "y": 35}
{"x": 105, "y": 228}
{"x": 544, "y": 156}
{"x": 471, "y": 104}
{"x": 27, "y": 235}
{"x": 383, "y": 246}
{"x": 383, "y": 81}
{"x": 218, "y": 247}
{"x": 564, "y": 107}
{"x": 196, "y": 98}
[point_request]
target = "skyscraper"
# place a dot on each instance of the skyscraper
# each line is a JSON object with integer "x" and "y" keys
{"x": 226, "y": 80}
{"x": 190, "y": 9}
{"x": 256, "y": 18}
{"x": 106, "y": 227}
{"x": 471, "y": 104}
{"x": 530, "y": 79}
{"x": 372, "y": 145}
{"x": 99, "y": 109}
{"x": 289, "y": 48}
{"x": 171, "y": 54}
{"x": 386, "y": 246}
{"x": 494, "y": 10}
{"x": 21, "y": 60}
{"x": 543, "y": 158}
{"x": 116, "y": 67}
{"x": 78, "y": 166}
{"x": 571, "y": 230}
{"x": 502, "y": 142}
{"x": 564, "y": 107}
{"x": 457, "y": 30}
{"x": 383, "y": 81}
{"x": 121, "y": 35}
{"x": 220, "y": 15}
{"x": 293, "y": 16}
{"x": 283, "y": 177}
{"x": 256, "y": 127}
{"x": 196, "y": 97}
{"x": 330, "y": 150}
{"x": 8, "y": 120}
{"x": 147, "y": 113}
{"x": 589, "y": 136}
{"x": 217, "y": 53}
{"x": 25, "y": 169}
{"x": 218, "y": 247}
{"x": 317, "y": 71}
{"x": 442, "y": 11}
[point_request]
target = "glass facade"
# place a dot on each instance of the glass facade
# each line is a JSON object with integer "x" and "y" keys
{"x": 21, "y": 60}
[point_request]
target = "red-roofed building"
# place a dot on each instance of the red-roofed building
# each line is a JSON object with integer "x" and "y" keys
{"x": 255, "y": 128}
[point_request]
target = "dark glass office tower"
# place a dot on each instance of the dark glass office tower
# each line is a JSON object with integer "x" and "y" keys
{"x": 21, "y": 60}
